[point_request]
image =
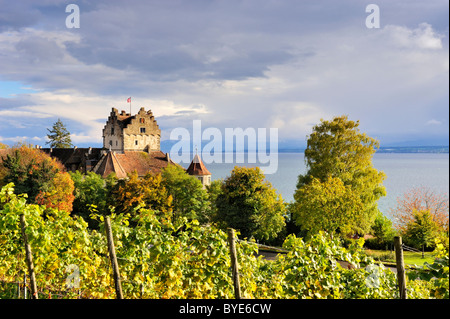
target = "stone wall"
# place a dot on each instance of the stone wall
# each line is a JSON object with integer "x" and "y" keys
{"x": 131, "y": 133}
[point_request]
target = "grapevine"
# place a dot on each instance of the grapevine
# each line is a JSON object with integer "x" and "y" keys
{"x": 159, "y": 258}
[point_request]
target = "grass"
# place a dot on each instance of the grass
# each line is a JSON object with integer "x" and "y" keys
{"x": 410, "y": 258}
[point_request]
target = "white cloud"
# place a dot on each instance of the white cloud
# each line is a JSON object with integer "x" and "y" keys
{"x": 422, "y": 37}
{"x": 22, "y": 114}
{"x": 17, "y": 139}
{"x": 433, "y": 122}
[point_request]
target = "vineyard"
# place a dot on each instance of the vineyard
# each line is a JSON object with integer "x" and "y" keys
{"x": 158, "y": 258}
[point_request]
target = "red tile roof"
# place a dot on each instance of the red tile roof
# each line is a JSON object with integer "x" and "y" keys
{"x": 129, "y": 161}
{"x": 197, "y": 167}
{"x": 109, "y": 164}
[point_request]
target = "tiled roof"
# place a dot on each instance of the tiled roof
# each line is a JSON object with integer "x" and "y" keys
{"x": 197, "y": 167}
{"x": 67, "y": 156}
{"x": 109, "y": 164}
{"x": 141, "y": 162}
{"x": 72, "y": 155}
{"x": 125, "y": 119}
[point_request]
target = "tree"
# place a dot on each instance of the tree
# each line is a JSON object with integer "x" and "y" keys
{"x": 189, "y": 198}
{"x": 41, "y": 177}
{"x": 59, "y": 194}
{"x": 250, "y": 204}
{"x": 382, "y": 230}
{"x": 214, "y": 190}
{"x": 336, "y": 149}
{"x": 417, "y": 199}
{"x": 422, "y": 230}
{"x": 92, "y": 192}
{"x": 59, "y": 136}
{"x": 327, "y": 206}
{"x": 146, "y": 192}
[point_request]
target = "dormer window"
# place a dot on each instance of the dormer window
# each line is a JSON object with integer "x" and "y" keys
{"x": 112, "y": 130}
{"x": 142, "y": 129}
{"x": 142, "y": 120}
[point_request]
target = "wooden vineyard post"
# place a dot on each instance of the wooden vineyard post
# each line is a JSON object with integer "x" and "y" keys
{"x": 234, "y": 264}
{"x": 112, "y": 256}
{"x": 24, "y": 285}
{"x": 29, "y": 259}
{"x": 400, "y": 267}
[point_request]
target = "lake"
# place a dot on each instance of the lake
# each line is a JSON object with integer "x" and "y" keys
{"x": 403, "y": 172}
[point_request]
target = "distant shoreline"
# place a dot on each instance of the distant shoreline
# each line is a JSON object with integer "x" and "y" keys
{"x": 386, "y": 149}
{"x": 393, "y": 149}
{"x": 414, "y": 149}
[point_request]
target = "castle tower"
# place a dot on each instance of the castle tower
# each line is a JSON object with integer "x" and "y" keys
{"x": 199, "y": 170}
{"x": 124, "y": 132}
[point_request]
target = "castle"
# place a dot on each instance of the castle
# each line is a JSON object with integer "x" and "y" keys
{"x": 130, "y": 143}
{"x": 124, "y": 132}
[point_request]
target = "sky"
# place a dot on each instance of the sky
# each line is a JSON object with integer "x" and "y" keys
{"x": 282, "y": 64}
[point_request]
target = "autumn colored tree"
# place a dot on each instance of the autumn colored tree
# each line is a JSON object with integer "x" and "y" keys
{"x": 146, "y": 192}
{"x": 250, "y": 204}
{"x": 36, "y": 174}
{"x": 59, "y": 193}
{"x": 337, "y": 149}
{"x": 420, "y": 199}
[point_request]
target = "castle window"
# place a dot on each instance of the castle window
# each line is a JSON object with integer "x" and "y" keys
{"x": 142, "y": 120}
{"x": 112, "y": 130}
{"x": 142, "y": 129}
{"x": 110, "y": 143}
{"x": 135, "y": 142}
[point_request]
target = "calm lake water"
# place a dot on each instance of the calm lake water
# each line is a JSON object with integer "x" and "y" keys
{"x": 403, "y": 172}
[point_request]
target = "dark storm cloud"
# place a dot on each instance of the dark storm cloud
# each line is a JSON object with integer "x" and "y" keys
{"x": 17, "y": 14}
{"x": 15, "y": 102}
{"x": 192, "y": 40}
{"x": 40, "y": 50}
{"x": 281, "y": 63}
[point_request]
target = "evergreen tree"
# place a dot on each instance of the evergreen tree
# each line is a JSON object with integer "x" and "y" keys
{"x": 59, "y": 136}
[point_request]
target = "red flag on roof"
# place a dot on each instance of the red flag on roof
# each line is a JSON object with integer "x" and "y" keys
{"x": 129, "y": 100}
